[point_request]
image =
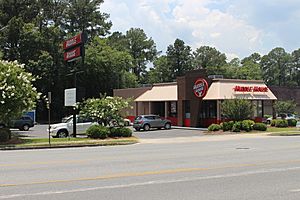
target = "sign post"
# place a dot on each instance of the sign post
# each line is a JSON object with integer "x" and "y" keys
{"x": 74, "y": 50}
{"x": 49, "y": 115}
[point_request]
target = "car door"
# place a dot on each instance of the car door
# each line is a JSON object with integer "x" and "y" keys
{"x": 83, "y": 124}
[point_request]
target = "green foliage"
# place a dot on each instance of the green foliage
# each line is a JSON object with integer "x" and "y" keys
{"x": 5, "y": 135}
{"x": 237, "y": 109}
{"x": 260, "y": 127}
{"x": 281, "y": 123}
{"x": 237, "y": 127}
{"x": 97, "y": 132}
{"x": 179, "y": 58}
{"x": 292, "y": 122}
{"x": 214, "y": 127}
{"x": 273, "y": 122}
{"x": 246, "y": 125}
{"x": 104, "y": 109}
{"x": 141, "y": 48}
{"x": 17, "y": 93}
{"x": 227, "y": 126}
{"x": 120, "y": 132}
{"x": 206, "y": 56}
{"x": 275, "y": 67}
{"x": 285, "y": 106}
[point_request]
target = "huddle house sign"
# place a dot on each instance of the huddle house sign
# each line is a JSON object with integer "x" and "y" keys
{"x": 200, "y": 87}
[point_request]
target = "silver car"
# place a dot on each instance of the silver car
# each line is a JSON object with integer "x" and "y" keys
{"x": 150, "y": 121}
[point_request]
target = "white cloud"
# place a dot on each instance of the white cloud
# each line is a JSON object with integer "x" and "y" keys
{"x": 233, "y": 27}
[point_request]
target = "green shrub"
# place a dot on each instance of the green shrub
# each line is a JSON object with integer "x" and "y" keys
{"x": 120, "y": 132}
{"x": 227, "y": 126}
{"x": 259, "y": 127}
{"x": 236, "y": 127}
{"x": 214, "y": 127}
{"x": 97, "y": 132}
{"x": 273, "y": 122}
{"x": 246, "y": 125}
{"x": 281, "y": 123}
{"x": 126, "y": 132}
{"x": 114, "y": 132}
{"x": 292, "y": 122}
{"x": 4, "y": 135}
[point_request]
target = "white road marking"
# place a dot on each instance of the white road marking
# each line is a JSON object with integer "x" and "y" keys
{"x": 272, "y": 170}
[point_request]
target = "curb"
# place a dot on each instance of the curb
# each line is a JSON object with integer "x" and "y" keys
{"x": 63, "y": 146}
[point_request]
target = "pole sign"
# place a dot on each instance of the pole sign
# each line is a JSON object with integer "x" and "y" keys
{"x": 72, "y": 42}
{"x": 200, "y": 87}
{"x": 70, "y": 97}
{"x": 72, "y": 54}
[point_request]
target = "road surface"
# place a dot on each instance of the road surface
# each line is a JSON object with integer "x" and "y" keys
{"x": 229, "y": 167}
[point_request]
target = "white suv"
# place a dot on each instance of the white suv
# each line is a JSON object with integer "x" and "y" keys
{"x": 65, "y": 129}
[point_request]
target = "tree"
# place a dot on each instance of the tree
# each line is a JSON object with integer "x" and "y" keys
{"x": 161, "y": 71}
{"x": 285, "y": 107}
{"x": 295, "y": 67}
{"x": 254, "y": 58}
{"x": 104, "y": 109}
{"x": 179, "y": 58}
{"x": 85, "y": 15}
{"x": 17, "y": 93}
{"x": 106, "y": 68}
{"x": 276, "y": 67}
{"x": 206, "y": 56}
{"x": 237, "y": 109}
{"x": 141, "y": 48}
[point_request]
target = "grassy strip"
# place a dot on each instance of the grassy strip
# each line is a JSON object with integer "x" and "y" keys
{"x": 275, "y": 129}
{"x": 61, "y": 142}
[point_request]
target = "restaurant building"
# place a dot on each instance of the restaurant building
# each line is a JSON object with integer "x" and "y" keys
{"x": 194, "y": 100}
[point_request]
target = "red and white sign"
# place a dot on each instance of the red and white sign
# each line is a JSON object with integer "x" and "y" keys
{"x": 200, "y": 87}
{"x": 250, "y": 89}
{"x": 73, "y": 41}
{"x": 71, "y": 54}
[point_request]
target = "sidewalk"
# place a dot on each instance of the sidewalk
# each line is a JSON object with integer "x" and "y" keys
{"x": 189, "y": 128}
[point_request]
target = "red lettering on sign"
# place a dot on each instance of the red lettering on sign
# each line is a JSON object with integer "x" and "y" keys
{"x": 250, "y": 89}
{"x": 71, "y": 54}
{"x": 73, "y": 41}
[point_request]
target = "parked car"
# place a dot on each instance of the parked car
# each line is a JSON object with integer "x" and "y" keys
{"x": 282, "y": 116}
{"x": 65, "y": 129}
{"x": 23, "y": 124}
{"x": 147, "y": 122}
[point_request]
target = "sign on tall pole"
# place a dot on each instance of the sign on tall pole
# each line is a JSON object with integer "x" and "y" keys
{"x": 74, "y": 50}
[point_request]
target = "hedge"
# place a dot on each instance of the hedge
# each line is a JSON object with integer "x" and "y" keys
{"x": 259, "y": 127}
{"x": 214, "y": 127}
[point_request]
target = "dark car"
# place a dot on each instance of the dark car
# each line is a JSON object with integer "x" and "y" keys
{"x": 150, "y": 121}
{"x": 23, "y": 124}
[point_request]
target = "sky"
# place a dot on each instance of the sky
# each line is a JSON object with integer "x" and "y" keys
{"x": 237, "y": 28}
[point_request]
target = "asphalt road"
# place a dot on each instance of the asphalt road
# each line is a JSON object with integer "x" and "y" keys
{"x": 232, "y": 167}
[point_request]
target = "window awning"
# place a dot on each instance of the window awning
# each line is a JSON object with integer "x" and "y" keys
{"x": 160, "y": 92}
{"x": 234, "y": 88}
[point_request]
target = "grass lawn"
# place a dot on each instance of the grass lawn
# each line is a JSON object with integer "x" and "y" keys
{"x": 61, "y": 142}
{"x": 289, "y": 131}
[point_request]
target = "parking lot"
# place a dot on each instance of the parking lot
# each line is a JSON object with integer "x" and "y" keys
{"x": 40, "y": 131}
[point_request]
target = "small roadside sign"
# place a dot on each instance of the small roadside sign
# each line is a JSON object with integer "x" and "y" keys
{"x": 70, "y": 97}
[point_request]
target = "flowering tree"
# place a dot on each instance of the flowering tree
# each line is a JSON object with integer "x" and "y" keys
{"x": 16, "y": 91}
{"x": 104, "y": 109}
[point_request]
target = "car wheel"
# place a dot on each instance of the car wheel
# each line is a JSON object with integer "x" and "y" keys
{"x": 62, "y": 134}
{"x": 137, "y": 129}
{"x": 126, "y": 123}
{"x": 167, "y": 126}
{"x": 146, "y": 127}
{"x": 25, "y": 127}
